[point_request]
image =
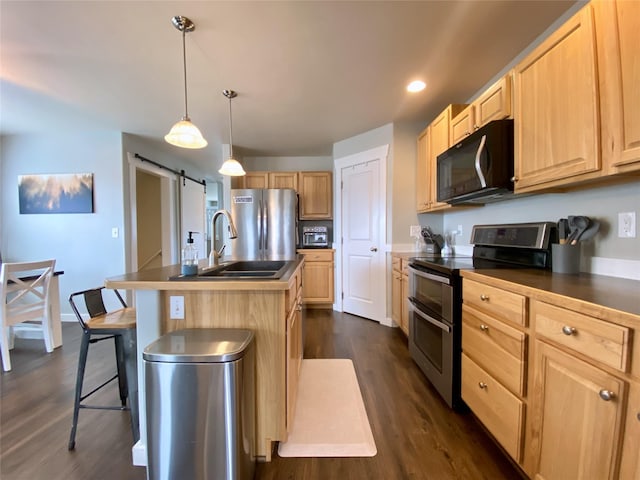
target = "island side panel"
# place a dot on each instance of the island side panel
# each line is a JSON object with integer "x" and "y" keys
{"x": 148, "y": 329}
{"x": 263, "y": 312}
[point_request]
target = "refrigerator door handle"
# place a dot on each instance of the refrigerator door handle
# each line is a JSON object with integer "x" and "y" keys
{"x": 265, "y": 217}
{"x": 260, "y": 227}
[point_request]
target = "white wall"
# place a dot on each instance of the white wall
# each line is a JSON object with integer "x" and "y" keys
{"x": 601, "y": 203}
{"x": 81, "y": 243}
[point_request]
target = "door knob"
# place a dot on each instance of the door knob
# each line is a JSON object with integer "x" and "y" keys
{"x": 482, "y": 385}
{"x": 374, "y": 249}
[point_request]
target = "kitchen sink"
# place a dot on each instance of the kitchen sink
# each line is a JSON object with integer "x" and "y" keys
{"x": 242, "y": 269}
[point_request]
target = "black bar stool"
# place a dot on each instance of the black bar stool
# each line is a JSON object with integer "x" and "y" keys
{"x": 119, "y": 325}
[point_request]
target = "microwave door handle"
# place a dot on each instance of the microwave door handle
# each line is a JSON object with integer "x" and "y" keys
{"x": 431, "y": 320}
{"x": 483, "y": 181}
{"x": 429, "y": 276}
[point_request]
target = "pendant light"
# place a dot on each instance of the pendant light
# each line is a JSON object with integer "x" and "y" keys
{"x": 184, "y": 133}
{"x": 231, "y": 166}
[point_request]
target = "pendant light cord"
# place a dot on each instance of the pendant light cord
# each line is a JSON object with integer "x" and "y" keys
{"x": 230, "y": 131}
{"x": 184, "y": 65}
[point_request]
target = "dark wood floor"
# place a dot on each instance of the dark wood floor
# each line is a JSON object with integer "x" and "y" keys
{"x": 416, "y": 434}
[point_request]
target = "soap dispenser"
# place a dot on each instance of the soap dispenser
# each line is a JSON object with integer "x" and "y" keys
{"x": 189, "y": 257}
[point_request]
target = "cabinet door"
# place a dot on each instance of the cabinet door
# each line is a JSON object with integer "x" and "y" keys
{"x": 318, "y": 282}
{"x": 618, "y": 24}
{"x": 294, "y": 359}
{"x": 462, "y": 125}
{"x": 422, "y": 172}
{"x": 283, "y": 180}
{"x": 404, "y": 302}
{"x": 630, "y": 465}
{"x": 556, "y": 108}
{"x": 577, "y": 417}
{"x": 493, "y": 104}
{"x": 315, "y": 195}
{"x": 254, "y": 180}
{"x": 396, "y": 298}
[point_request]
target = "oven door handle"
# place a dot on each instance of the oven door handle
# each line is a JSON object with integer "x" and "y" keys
{"x": 431, "y": 320}
{"x": 429, "y": 276}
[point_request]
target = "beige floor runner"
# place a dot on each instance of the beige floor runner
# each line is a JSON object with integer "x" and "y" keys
{"x": 330, "y": 419}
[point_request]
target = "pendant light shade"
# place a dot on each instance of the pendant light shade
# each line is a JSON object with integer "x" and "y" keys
{"x": 231, "y": 166}
{"x": 184, "y": 133}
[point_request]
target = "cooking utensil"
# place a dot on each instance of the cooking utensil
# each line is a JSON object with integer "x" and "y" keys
{"x": 589, "y": 232}
{"x": 563, "y": 229}
{"x": 578, "y": 225}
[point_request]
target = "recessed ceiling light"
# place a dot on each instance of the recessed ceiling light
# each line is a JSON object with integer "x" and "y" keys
{"x": 416, "y": 86}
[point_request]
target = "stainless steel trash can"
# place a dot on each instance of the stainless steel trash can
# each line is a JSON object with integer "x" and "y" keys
{"x": 200, "y": 399}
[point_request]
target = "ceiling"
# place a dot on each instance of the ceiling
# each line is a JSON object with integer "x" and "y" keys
{"x": 307, "y": 73}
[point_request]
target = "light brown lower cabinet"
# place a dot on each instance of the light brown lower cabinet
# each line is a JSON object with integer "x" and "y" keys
{"x": 577, "y": 417}
{"x": 494, "y": 405}
{"x": 400, "y": 292}
{"x": 294, "y": 350}
{"x": 630, "y": 463}
{"x": 557, "y": 386}
{"x": 318, "y": 277}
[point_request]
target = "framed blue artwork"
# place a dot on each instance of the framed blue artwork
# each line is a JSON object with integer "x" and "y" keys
{"x": 56, "y": 193}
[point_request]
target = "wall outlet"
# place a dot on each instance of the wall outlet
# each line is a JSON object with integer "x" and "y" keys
{"x": 627, "y": 225}
{"x": 176, "y": 307}
{"x": 414, "y": 231}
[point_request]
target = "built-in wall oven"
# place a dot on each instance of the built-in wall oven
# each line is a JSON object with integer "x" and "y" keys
{"x": 435, "y": 295}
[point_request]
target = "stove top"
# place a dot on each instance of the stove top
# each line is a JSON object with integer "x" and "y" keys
{"x": 448, "y": 265}
{"x": 524, "y": 245}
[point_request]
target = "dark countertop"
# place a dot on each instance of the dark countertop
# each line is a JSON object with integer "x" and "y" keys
{"x": 597, "y": 291}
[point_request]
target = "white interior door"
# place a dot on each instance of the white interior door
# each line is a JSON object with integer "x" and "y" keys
{"x": 363, "y": 236}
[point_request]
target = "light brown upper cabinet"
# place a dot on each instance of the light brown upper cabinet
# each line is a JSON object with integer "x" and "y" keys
{"x": 422, "y": 171}
{"x": 283, "y": 180}
{"x": 431, "y": 143}
{"x": 617, "y": 31}
{"x": 316, "y": 197}
{"x": 251, "y": 180}
{"x": 493, "y": 104}
{"x": 266, "y": 180}
{"x": 556, "y": 108}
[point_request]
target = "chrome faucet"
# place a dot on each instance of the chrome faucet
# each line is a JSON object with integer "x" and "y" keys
{"x": 214, "y": 256}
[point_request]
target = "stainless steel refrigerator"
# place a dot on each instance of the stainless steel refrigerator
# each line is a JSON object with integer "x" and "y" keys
{"x": 266, "y": 223}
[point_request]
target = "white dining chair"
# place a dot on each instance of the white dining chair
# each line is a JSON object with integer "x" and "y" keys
{"x": 24, "y": 299}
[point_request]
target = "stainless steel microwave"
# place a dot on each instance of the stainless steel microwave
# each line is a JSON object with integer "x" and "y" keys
{"x": 478, "y": 169}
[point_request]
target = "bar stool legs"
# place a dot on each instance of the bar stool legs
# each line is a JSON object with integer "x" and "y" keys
{"x": 125, "y": 343}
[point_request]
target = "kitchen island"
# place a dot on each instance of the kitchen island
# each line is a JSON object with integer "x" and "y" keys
{"x": 270, "y": 308}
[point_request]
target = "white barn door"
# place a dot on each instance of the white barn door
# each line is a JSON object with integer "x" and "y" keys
{"x": 193, "y": 215}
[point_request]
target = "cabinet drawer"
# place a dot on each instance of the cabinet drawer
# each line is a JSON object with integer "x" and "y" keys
{"x": 497, "y": 408}
{"x": 318, "y": 255}
{"x": 395, "y": 263}
{"x": 498, "y": 303}
{"x": 497, "y": 347}
{"x": 599, "y": 340}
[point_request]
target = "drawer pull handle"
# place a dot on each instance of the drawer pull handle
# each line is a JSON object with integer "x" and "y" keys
{"x": 482, "y": 385}
{"x": 484, "y": 298}
{"x": 483, "y": 327}
{"x": 607, "y": 395}
{"x": 567, "y": 330}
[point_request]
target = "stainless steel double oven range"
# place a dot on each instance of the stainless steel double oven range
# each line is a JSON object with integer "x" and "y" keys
{"x": 435, "y": 295}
